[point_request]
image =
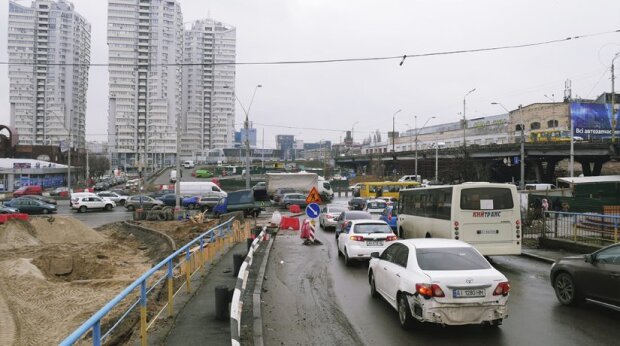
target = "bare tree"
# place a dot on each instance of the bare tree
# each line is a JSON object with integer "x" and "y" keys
{"x": 98, "y": 165}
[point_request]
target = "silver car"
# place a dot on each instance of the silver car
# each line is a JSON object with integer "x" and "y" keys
{"x": 329, "y": 215}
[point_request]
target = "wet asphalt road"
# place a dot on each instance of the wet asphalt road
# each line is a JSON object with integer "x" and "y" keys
{"x": 535, "y": 316}
{"x": 95, "y": 218}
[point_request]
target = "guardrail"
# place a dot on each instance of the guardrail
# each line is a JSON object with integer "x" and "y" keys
{"x": 185, "y": 262}
{"x": 594, "y": 229}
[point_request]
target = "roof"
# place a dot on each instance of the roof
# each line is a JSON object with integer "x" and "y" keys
{"x": 422, "y": 243}
{"x": 7, "y": 163}
{"x": 586, "y": 180}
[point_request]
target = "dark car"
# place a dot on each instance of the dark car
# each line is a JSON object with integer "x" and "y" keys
{"x": 101, "y": 186}
{"x": 31, "y": 206}
{"x": 595, "y": 276}
{"x": 190, "y": 202}
{"x": 169, "y": 199}
{"x": 41, "y": 198}
{"x": 293, "y": 198}
{"x": 8, "y": 210}
{"x": 349, "y": 215}
{"x": 357, "y": 203}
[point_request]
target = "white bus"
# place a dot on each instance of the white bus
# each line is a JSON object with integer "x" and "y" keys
{"x": 485, "y": 215}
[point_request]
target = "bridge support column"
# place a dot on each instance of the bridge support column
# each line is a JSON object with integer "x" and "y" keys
{"x": 550, "y": 170}
{"x": 539, "y": 171}
{"x": 598, "y": 166}
{"x": 586, "y": 167}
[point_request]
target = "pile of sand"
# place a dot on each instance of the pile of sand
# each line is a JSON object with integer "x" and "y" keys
{"x": 60, "y": 229}
{"x": 16, "y": 234}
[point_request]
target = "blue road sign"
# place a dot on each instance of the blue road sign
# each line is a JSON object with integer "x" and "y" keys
{"x": 313, "y": 210}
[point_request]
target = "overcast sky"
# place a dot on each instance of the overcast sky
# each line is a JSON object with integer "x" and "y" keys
{"x": 322, "y": 101}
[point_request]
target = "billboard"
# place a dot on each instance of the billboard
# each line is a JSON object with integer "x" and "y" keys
{"x": 592, "y": 120}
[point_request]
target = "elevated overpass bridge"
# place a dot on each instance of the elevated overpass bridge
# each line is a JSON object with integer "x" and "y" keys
{"x": 499, "y": 162}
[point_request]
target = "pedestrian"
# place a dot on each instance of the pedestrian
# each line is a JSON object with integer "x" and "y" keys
{"x": 545, "y": 207}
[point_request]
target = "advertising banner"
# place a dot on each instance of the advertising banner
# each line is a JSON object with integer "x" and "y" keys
{"x": 592, "y": 120}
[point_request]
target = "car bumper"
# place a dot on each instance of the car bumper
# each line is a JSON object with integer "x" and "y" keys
{"x": 429, "y": 310}
{"x": 330, "y": 223}
{"x": 359, "y": 252}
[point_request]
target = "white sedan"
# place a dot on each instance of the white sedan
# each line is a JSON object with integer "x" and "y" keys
{"x": 441, "y": 281}
{"x": 360, "y": 238}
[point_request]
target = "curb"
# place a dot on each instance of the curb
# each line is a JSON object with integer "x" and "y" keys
{"x": 258, "y": 288}
{"x": 537, "y": 257}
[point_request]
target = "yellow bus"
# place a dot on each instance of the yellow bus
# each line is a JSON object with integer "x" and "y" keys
{"x": 389, "y": 189}
{"x": 550, "y": 136}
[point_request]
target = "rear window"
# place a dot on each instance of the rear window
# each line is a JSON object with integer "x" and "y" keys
{"x": 369, "y": 228}
{"x": 358, "y": 216}
{"x": 455, "y": 258}
{"x": 486, "y": 198}
{"x": 376, "y": 205}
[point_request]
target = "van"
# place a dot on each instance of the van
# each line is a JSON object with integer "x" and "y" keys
{"x": 200, "y": 188}
{"x": 188, "y": 164}
{"x": 28, "y": 190}
{"x": 417, "y": 178}
{"x": 540, "y": 187}
{"x": 173, "y": 176}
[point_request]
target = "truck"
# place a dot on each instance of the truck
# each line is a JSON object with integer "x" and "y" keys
{"x": 302, "y": 182}
{"x": 200, "y": 188}
{"x": 173, "y": 176}
{"x": 251, "y": 202}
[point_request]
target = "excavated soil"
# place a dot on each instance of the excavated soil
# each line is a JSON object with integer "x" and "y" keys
{"x": 182, "y": 232}
{"x": 55, "y": 272}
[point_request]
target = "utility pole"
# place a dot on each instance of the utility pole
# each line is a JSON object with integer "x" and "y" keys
{"x": 522, "y": 166}
{"x": 614, "y": 120}
{"x": 465, "y": 119}
{"x": 177, "y": 183}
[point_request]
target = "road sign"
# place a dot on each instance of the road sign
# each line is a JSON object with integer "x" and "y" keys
{"x": 313, "y": 196}
{"x": 313, "y": 210}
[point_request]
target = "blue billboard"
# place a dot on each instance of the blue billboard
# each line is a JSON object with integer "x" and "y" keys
{"x": 592, "y": 120}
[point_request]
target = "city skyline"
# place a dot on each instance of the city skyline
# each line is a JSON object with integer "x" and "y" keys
{"x": 325, "y": 100}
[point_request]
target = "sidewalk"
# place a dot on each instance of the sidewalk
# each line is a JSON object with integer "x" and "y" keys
{"x": 546, "y": 255}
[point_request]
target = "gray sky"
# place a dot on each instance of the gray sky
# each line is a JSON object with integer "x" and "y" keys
{"x": 332, "y": 97}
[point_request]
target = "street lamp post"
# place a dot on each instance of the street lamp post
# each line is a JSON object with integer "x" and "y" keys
{"x": 522, "y": 146}
{"x": 394, "y": 140}
{"x": 614, "y": 120}
{"x": 465, "y": 119}
{"x": 417, "y": 132}
{"x": 436, "y": 159}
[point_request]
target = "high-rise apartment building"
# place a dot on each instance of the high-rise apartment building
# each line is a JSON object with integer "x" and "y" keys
{"x": 208, "y": 87}
{"x": 49, "y": 57}
{"x": 145, "y": 44}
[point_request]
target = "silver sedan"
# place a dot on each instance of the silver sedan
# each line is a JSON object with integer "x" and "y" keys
{"x": 329, "y": 214}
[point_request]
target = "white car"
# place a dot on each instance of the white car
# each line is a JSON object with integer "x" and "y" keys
{"x": 113, "y": 196}
{"x": 360, "y": 238}
{"x": 84, "y": 203}
{"x": 441, "y": 281}
{"x": 375, "y": 206}
{"x": 329, "y": 215}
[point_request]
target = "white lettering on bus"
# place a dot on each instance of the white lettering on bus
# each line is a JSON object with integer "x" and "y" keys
{"x": 486, "y": 213}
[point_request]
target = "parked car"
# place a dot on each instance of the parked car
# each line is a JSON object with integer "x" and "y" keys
{"x": 389, "y": 215}
{"x": 329, "y": 214}
{"x": 31, "y": 206}
{"x": 375, "y": 206}
{"x": 261, "y": 185}
{"x": 190, "y": 202}
{"x": 169, "y": 199}
{"x": 293, "y": 198}
{"x": 208, "y": 202}
{"x": 101, "y": 186}
{"x": 8, "y": 210}
{"x": 349, "y": 215}
{"x": 28, "y": 190}
{"x": 357, "y": 203}
{"x": 442, "y": 281}
{"x": 595, "y": 276}
{"x": 60, "y": 191}
{"x": 142, "y": 201}
{"x": 114, "y": 196}
{"x": 83, "y": 203}
{"x": 362, "y": 238}
{"x": 41, "y": 198}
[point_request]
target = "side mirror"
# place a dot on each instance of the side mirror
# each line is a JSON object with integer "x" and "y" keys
{"x": 374, "y": 255}
{"x": 590, "y": 258}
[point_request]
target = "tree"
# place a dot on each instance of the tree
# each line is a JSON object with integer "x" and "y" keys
{"x": 98, "y": 165}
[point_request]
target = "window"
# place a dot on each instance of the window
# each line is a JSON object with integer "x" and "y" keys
{"x": 370, "y": 228}
{"x": 535, "y": 125}
{"x": 552, "y": 123}
{"x": 609, "y": 256}
{"x": 457, "y": 258}
{"x": 486, "y": 199}
{"x": 518, "y": 127}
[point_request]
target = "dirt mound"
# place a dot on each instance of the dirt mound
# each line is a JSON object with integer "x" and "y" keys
{"x": 21, "y": 267}
{"x": 181, "y": 231}
{"x": 16, "y": 234}
{"x": 62, "y": 230}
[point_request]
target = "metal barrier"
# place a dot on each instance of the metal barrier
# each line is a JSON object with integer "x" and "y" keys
{"x": 595, "y": 229}
{"x": 185, "y": 262}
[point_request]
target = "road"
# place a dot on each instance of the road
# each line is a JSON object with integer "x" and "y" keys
{"x": 535, "y": 316}
{"x": 95, "y": 218}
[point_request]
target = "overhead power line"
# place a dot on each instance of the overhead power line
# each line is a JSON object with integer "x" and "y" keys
{"x": 400, "y": 58}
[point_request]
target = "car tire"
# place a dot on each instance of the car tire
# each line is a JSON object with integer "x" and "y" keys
{"x": 131, "y": 208}
{"x": 82, "y": 209}
{"x": 566, "y": 290}
{"x": 373, "y": 287}
{"x": 108, "y": 207}
{"x": 404, "y": 312}
{"x": 45, "y": 211}
{"x": 347, "y": 260}
{"x": 286, "y": 206}
{"x": 495, "y": 323}
{"x": 156, "y": 207}
{"x": 121, "y": 202}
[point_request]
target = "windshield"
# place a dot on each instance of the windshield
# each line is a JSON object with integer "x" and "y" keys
{"x": 452, "y": 258}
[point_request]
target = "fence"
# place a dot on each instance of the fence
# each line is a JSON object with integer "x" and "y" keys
{"x": 180, "y": 265}
{"x": 593, "y": 229}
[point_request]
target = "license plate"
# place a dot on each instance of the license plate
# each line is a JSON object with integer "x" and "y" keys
{"x": 468, "y": 293}
{"x": 374, "y": 243}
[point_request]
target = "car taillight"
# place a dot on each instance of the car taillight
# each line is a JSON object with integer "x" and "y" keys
{"x": 427, "y": 291}
{"x": 502, "y": 289}
{"x": 391, "y": 238}
{"x": 356, "y": 238}
{"x": 329, "y": 216}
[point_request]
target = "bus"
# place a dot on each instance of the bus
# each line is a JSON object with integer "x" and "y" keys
{"x": 550, "y": 136}
{"x": 485, "y": 215}
{"x": 389, "y": 189}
